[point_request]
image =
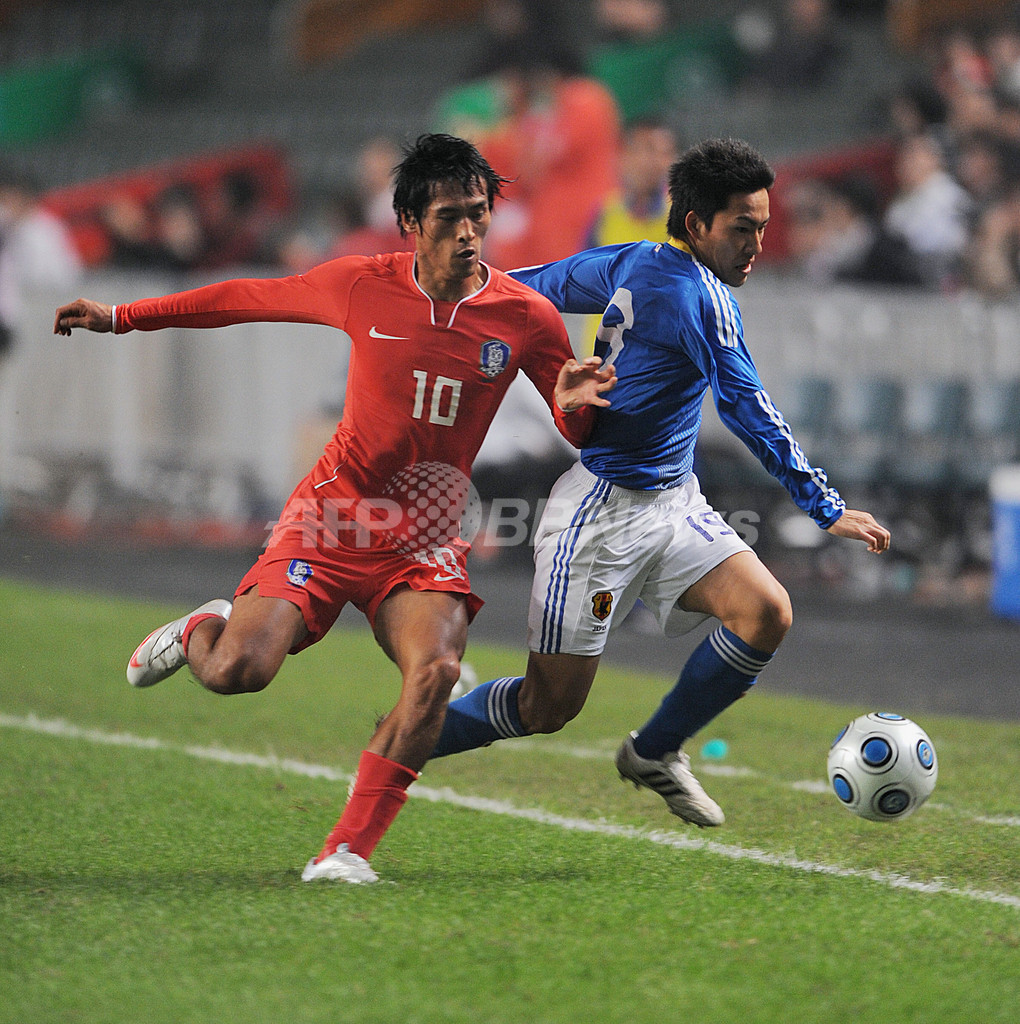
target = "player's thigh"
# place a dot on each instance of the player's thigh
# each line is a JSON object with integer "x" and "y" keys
{"x": 744, "y": 595}
{"x": 260, "y": 632}
{"x": 416, "y": 628}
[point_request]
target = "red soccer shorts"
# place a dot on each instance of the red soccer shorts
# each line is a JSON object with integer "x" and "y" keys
{"x": 321, "y": 578}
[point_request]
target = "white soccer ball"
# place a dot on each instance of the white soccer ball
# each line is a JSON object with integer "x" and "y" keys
{"x": 882, "y": 766}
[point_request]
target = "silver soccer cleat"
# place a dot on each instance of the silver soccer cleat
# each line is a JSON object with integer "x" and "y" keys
{"x": 673, "y": 780}
{"x": 161, "y": 653}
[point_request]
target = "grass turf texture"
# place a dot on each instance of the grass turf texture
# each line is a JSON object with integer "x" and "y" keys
{"x": 150, "y": 884}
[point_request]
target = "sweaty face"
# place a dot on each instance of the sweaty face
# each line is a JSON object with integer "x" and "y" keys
{"x": 449, "y": 236}
{"x": 729, "y": 246}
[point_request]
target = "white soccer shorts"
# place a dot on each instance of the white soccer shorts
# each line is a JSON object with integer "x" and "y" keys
{"x": 599, "y": 547}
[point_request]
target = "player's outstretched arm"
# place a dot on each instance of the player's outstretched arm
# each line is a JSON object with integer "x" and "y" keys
{"x": 861, "y": 526}
{"x": 584, "y": 383}
{"x": 93, "y": 316}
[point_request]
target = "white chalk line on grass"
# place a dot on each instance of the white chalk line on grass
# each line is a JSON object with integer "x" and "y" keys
{"x": 68, "y": 730}
{"x": 730, "y": 771}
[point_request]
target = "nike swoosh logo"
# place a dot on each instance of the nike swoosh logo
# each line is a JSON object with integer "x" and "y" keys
{"x": 134, "y": 662}
{"x": 376, "y": 333}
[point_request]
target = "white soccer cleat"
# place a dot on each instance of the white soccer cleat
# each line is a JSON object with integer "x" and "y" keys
{"x": 673, "y": 780}
{"x": 342, "y": 866}
{"x": 161, "y": 653}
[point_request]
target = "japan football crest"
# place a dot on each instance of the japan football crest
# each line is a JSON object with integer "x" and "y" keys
{"x": 495, "y": 357}
{"x": 601, "y": 605}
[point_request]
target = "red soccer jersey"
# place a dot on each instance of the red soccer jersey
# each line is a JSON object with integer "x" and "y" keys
{"x": 425, "y": 378}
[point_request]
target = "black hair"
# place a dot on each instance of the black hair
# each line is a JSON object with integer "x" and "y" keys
{"x": 707, "y": 176}
{"x": 435, "y": 160}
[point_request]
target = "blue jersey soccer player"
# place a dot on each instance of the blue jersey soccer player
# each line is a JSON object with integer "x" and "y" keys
{"x": 629, "y": 521}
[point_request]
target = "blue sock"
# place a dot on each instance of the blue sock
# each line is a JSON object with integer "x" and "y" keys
{"x": 721, "y": 669}
{"x": 487, "y": 713}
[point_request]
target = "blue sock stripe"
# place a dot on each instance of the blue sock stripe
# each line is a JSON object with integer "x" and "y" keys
{"x": 737, "y": 654}
{"x": 556, "y": 592}
{"x": 497, "y": 707}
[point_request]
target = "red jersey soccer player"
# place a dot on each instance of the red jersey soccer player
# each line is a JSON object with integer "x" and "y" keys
{"x": 437, "y": 337}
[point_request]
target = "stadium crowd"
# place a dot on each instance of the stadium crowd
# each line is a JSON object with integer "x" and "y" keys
{"x": 556, "y": 117}
{"x": 586, "y": 132}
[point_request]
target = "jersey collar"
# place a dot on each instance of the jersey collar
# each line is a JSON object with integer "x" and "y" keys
{"x": 682, "y": 246}
{"x": 467, "y": 298}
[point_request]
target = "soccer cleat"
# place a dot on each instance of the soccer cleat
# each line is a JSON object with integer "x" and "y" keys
{"x": 161, "y": 653}
{"x": 673, "y": 780}
{"x": 342, "y": 866}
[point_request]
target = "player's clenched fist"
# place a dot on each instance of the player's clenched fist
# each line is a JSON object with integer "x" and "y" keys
{"x": 93, "y": 316}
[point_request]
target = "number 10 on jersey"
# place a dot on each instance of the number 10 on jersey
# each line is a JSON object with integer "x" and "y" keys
{"x": 444, "y": 391}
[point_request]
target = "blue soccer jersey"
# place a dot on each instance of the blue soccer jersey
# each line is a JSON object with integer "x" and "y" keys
{"x": 673, "y": 329}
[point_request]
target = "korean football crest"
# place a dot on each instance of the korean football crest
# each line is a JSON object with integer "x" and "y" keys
{"x": 495, "y": 357}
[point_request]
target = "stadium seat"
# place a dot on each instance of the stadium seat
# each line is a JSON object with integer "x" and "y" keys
{"x": 933, "y": 435}
{"x": 992, "y": 423}
{"x": 868, "y": 424}
{"x": 808, "y": 404}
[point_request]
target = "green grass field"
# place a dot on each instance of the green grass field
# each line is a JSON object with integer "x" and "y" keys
{"x": 151, "y": 844}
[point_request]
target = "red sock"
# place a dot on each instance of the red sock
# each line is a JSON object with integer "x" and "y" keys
{"x": 380, "y": 790}
{"x": 190, "y": 627}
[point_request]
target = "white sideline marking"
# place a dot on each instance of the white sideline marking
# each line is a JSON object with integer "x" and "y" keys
{"x": 730, "y": 771}
{"x": 677, "y": 841}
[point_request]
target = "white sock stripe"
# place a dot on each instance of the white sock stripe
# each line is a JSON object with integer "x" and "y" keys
{"x": 496, "y": 707}
{"x": 733, "y": 656}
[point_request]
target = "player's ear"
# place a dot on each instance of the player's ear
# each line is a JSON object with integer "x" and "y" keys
{"x": 695, "y": 226}
{"x": 409, "y": 222}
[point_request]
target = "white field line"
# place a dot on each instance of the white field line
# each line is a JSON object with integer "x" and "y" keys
{"x": 674, "y": 840}
{"x": 819, "y": 786}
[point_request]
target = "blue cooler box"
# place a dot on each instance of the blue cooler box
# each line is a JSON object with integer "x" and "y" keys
{"x": 1004, "y": 490}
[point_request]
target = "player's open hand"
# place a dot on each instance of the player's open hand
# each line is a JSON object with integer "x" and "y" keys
{"x": 93, "y": 316}
{"x": 861, "y": 526}
{"x": 584, "y": 383}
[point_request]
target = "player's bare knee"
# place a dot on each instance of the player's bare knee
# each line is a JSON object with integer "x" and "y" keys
{"x": 551, "y": 717}
{"x": 236, "y": 671}
{"x": 434, "y": 681}
{"x": 775, "y": 616}
{"x": 544, "y": 709}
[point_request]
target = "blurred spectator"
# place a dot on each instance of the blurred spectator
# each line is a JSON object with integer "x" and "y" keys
{"x": 929, "y": 211}
{"x": 836, "y": 234}
{"x": 559, "y": 143}
{"x": 960, "y": 64}
{"x": 637, "y": 207}
{"x": 168, "y": 236}
{"x": 179, "y": 240}
{"x": 520, "y": 24}
{"x": 36, "y": 250}
{"x": 969, "y": 110}
{"x": 234, "y": 223}
{"x": 993, "y": 255}
{"x": 982, "y": 161}
{"x": 128, "y": 227}
{"x": 1003, "y": 49}
{"x": 916, "y": 108}
{"x": 373, "y": 222}
{"x": 799, "y": 51}
{"x": 632, "y": 19}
